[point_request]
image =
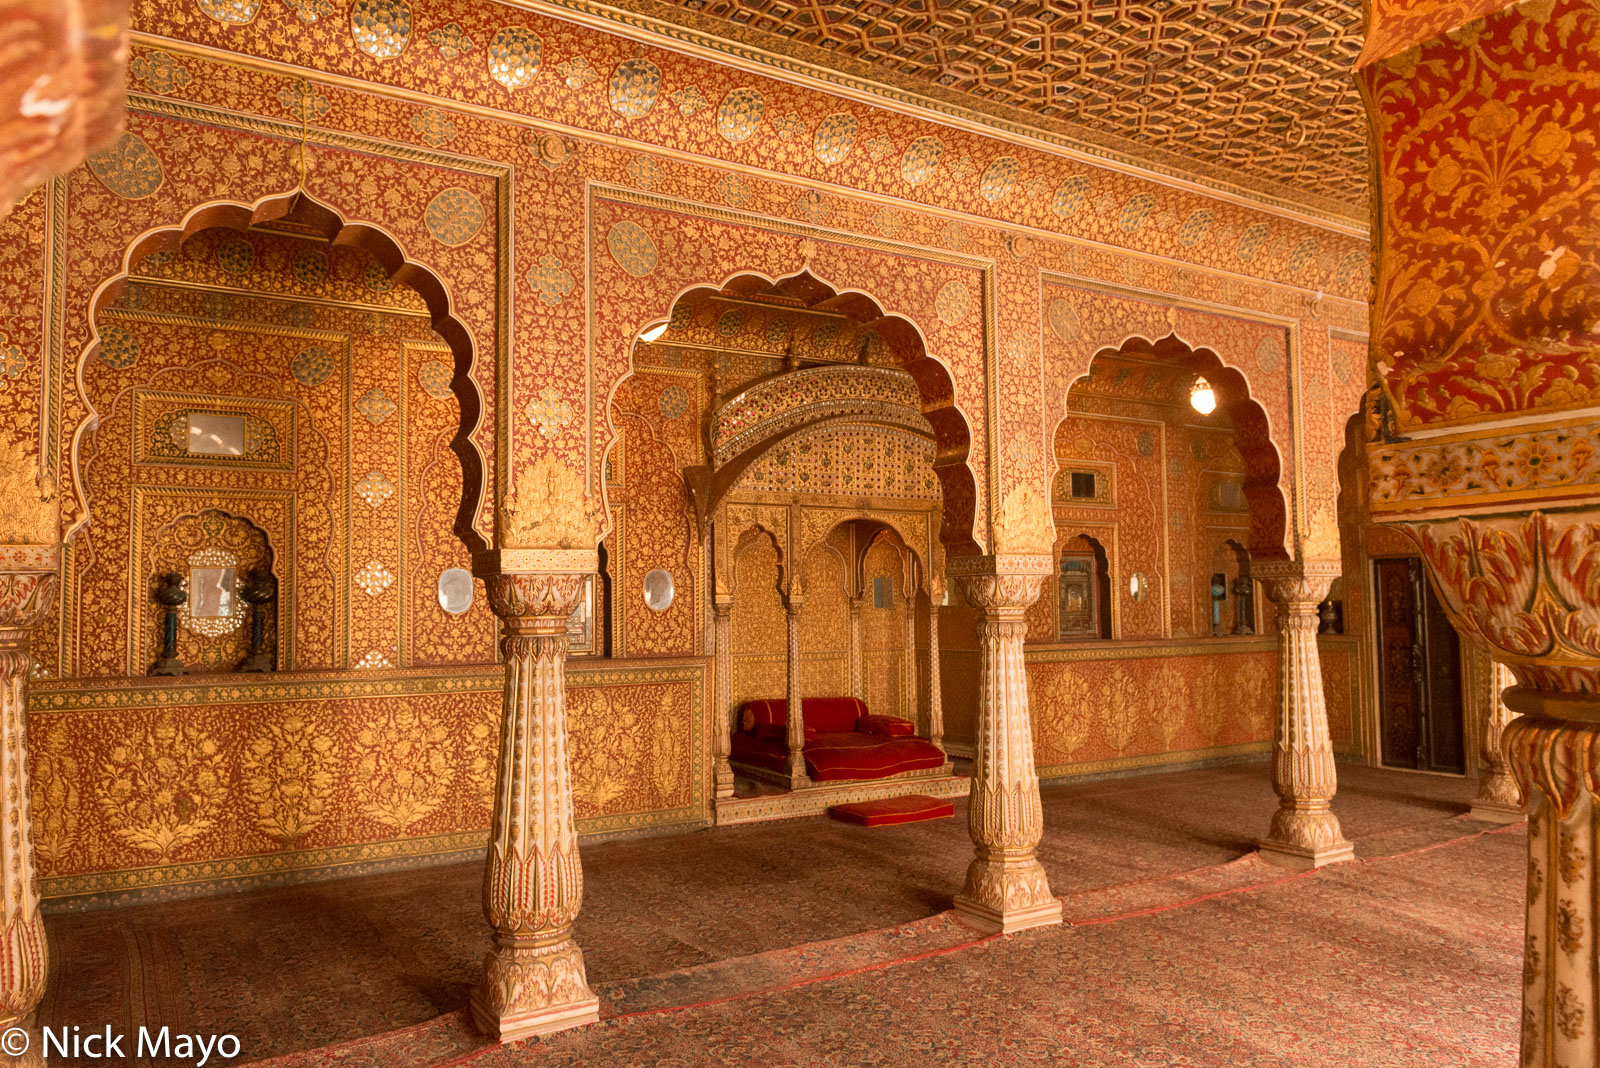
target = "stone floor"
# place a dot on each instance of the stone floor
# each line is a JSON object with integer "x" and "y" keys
{"x": 1181, "y": 951}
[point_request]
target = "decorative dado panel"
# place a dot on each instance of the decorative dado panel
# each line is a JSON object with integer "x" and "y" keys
{"x": 148, "y": 786}
{"x": 1106, "y": 708}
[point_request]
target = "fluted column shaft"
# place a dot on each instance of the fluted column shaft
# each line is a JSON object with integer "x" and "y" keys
{"x": 1305, "y": 833}
{"x": 1006, "y": 887}
{"x": 1499, "y": 798}
{"x": 858, "y": 687}
{"x": 533, "y": 978}
{"x": 935, "y": 707}
{"x": 796, "y": 718}
{"x": 723, "y": 627}
{"x": 1557, "y": 764}
{"x": 27, "y": 599}
{"x": 909, "y": 700}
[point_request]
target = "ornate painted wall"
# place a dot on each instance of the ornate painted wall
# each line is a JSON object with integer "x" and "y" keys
{"x": 314, "y": 773}
{"x": 346, "y": 466}
{"x": 548, "y": 189}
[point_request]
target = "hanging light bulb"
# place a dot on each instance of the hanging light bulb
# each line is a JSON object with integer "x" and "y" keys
{"x": 1202, "y": 397}
{"x": 653, "y": 332}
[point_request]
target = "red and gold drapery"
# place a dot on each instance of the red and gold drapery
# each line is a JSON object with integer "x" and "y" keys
{"x": 63, "y": 70}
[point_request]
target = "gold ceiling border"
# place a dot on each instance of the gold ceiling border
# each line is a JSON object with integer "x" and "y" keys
{"x": 773, "y": 224}
{"x": 1172, "y": 170}
{"x": 208, "y": 54}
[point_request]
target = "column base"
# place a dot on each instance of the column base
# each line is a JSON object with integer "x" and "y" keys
{"x": 513, "y": 1028}
{"x": 1489, "y": 812}
{"x": 533, "y": 990}
{"x": 724, "y": 780}
{"x": 1304, "y": 858}
{"x": 1007, "y": 892}
{"x": 165, "y": 666}
{"x": 990, "y": 920}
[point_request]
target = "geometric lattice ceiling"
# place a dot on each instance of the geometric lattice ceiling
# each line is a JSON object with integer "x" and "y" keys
{"x": 1259, "y": 89}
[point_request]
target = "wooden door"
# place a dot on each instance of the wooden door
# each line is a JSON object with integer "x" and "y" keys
{"x": 1419, "y": 672}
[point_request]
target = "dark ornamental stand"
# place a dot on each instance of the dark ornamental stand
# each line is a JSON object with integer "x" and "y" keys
{"x": 259, "y": 593}
{"x": 170, "y": 594}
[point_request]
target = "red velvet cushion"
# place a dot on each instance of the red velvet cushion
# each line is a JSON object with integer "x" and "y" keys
{"x": 769, "y": 753}
{"x": 854, "y": 755}
{"x": 827, "y": 715}
{"x": 886, "y": 725}
{"x": 822, "y": 714}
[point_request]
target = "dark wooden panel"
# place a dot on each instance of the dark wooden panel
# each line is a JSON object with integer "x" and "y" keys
{"x": 1445, "y": 744}
{"x": 1399, "y": 646}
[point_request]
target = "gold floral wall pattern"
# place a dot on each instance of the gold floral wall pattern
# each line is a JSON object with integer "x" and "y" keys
{"x": 1104, "y": 708}
{"x": 318, "y": 772}
{"x": 1488, "y": 282}
{"x": 350, "y": 495}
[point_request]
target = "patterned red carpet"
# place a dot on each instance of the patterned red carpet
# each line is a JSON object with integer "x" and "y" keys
{"x": 1183, "y": 953}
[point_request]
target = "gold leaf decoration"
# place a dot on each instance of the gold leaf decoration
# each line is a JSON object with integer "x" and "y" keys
{"x": 549, "y": 510}
{"x": 1024, "y": 525}
{"x": 27, "y": 503}
{"x": 163, "y": 789}
{"x": 288, "y": 777}
{"x": 403, "y": 766}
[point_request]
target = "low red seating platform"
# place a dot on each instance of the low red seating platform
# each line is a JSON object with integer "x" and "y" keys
{"x": 842, "y": 740}
{"x": 891, "y": 810}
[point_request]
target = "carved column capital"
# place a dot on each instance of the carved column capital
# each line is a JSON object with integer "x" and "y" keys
{"x": 1002, "y": 595}
{"x": 1524, "y": 584}
{"x": 1296, "y": 585}
{"x": 525, "y": 597}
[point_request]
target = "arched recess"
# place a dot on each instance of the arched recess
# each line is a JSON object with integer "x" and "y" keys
{"x": 299, "y": 211}
{"x": 887, "y": 339}
{"x": 1263, "y": 485}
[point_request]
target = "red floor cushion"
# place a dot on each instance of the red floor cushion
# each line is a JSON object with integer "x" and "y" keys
{"x": 854, "y": 755}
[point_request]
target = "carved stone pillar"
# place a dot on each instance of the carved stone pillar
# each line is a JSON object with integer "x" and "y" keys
{"x": 1499, "y": 799}
{"x": 1305, "y": 833}
{"x": 796, "y": 718}
{"x": 1557, "y": 763}
{"x": 1524, "y": 585}
{"x": 909, "y": 700}
{"x": 858, "y": 675}
{"x": 1006, "y": 887}
{"x": 935, "y": 706}
{"x": 723, "y": 613}
{"x": 533, "y": 978}
{"x": 27, "y": 600}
